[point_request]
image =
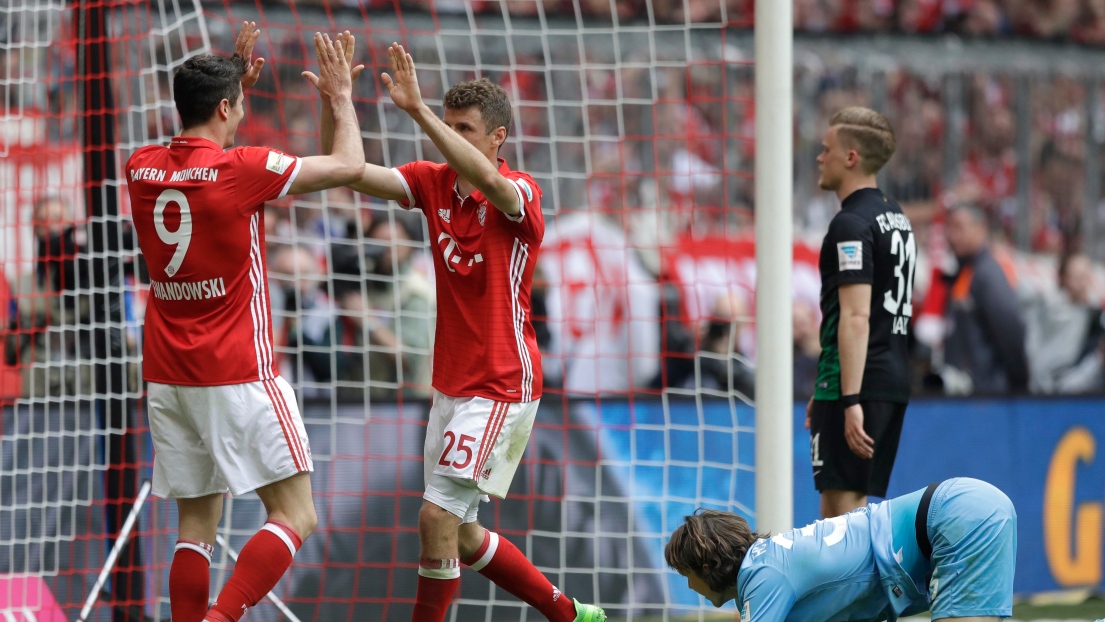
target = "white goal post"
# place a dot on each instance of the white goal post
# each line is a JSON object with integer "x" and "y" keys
{"x": 774, "y": 243}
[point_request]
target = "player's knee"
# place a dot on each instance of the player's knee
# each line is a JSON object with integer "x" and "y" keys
{"x": 451, "y": 497}
{"x": 433, "y": 517}
{"x": 470, "y": 538}
{"x": 302, "y": 519}
{"x": 308, "y": 522}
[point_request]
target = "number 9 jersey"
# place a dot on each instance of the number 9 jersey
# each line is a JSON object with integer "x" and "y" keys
{"x": 870, "y": 241}
{"x": 197, "y": 210}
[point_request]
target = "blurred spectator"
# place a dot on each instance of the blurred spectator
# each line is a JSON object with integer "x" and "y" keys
{"x": 44, "y": 336}
{"x": 981, "y": 18}
{"x": 1064, "y": 333}
{"x": 1056, "y": 198}
{"x": 1090, "y": 27}
{"x": 807, "y": 348}
{"x": 984, "y": 347}
{"x": 677, "y": 341}
{"x": 602, "y": 308}
{"x": 1044, "y": 19}
{"x": 662, "y": 148}
{"x": 988, "y": 175}
{"x": 721, "y": 364}
{"x": 301, "y": 317}
{"x": 1080, "y": 20}
{"x": 394, "y": 309}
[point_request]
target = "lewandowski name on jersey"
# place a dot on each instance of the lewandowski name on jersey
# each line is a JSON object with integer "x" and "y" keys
{"x": 197, "y": 212}
{"x": 189, "y": 290}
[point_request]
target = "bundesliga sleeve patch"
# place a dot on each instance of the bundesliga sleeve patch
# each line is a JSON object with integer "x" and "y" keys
{"x": 525, "y": 188}
{"x": 850, "y": 255}
{"x": 278, "y": 162}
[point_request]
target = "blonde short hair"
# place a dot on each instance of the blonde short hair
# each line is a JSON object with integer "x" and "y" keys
{"x": 868, "y": 132}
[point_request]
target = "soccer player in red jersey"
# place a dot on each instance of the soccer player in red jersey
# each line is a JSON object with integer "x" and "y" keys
{"x": 485, "y": 226}
{"x": 220, "y": 417}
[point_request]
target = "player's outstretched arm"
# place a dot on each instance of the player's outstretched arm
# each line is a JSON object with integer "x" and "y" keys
{"x": 462, "y": 156}
{"x": 376, "y": 181}
{"x": 345, "y": 164}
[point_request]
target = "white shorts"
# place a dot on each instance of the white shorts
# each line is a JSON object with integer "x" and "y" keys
{"x": 473, "y": 447}
{"x": 235, "y": 437}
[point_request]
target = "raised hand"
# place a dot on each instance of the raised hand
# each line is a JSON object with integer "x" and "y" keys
{"x": 404, "y": 86}
{"x": 348, "y": 42}
{"x": 243, "y": 48}
{"x": 333, "y": 79}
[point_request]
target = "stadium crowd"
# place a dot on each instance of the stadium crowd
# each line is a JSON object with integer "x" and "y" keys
{"x": 666, "y": 185}
{"x": 1081, "y": 21}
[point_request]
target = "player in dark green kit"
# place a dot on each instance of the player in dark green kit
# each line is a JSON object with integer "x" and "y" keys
{"x": 867, "y": 266}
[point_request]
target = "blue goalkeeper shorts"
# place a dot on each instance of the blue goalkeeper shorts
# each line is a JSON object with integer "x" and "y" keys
{"x": 973, "y": 529}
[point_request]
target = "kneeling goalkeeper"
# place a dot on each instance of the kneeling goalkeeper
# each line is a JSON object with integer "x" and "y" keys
{"x": 950, "y": 547}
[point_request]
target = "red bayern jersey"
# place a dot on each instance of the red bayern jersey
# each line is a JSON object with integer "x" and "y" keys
{"x": 483, "y": 262}
{"x": 198, "y": 213}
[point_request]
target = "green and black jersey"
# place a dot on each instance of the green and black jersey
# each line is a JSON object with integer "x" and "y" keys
{"x": 869, "y": 241}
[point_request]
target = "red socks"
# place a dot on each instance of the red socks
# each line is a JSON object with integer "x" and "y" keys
{"x": 506, "y": 566}
{"x": 262, "y": 562}
{"x": 437, "y": 583}
{"x": 189, "y": 581}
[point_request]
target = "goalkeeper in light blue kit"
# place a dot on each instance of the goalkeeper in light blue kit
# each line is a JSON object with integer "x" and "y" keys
{"x": 951, "y": 546}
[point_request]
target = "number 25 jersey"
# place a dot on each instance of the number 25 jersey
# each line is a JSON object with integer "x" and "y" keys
{"x": 197, "y": 210}
{"x": 483, "y": 268}
{"x": 869, "y": 241}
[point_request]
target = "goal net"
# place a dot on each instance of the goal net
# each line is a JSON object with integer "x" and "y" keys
{"x": 636, "y": 120}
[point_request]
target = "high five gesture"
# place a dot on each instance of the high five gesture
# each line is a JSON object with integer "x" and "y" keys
{"x": 404, "y": 86}
{"x": 333, "y": 79}
{"x": 243, "y": 49}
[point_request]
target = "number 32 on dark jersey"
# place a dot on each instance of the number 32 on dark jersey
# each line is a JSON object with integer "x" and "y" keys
{"x": 870, "y": 241}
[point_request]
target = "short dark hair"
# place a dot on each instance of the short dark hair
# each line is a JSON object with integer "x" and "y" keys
{"x": 488, "y": 97}
{"x": 202, "y": 82}
{"x": 868, "y": 132}
{"x": 711, "y": 544}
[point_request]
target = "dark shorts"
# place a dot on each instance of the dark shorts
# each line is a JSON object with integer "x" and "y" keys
{"x": 835, "y": 467}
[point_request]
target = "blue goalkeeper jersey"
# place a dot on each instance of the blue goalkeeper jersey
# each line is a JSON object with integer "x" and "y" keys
{"x": 865, "y": 565}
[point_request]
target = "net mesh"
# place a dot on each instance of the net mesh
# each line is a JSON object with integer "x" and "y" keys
{"x": 635, "y": 118}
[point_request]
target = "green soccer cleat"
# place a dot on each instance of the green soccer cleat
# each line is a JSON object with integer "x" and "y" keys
{"x": 588, "y": 613}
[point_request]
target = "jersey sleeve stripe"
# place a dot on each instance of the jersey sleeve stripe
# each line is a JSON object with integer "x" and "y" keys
{"x": 406, "y": 188}
{"x": 256, "y": 279}
{"x": 291, "y": 178}
{"x": 262, "y": 320}
{"x": 519, "y": 324}
{"x": 518, "y": 260}
{"x": 521, "y": 204}
{"x": 262, "y": 343}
